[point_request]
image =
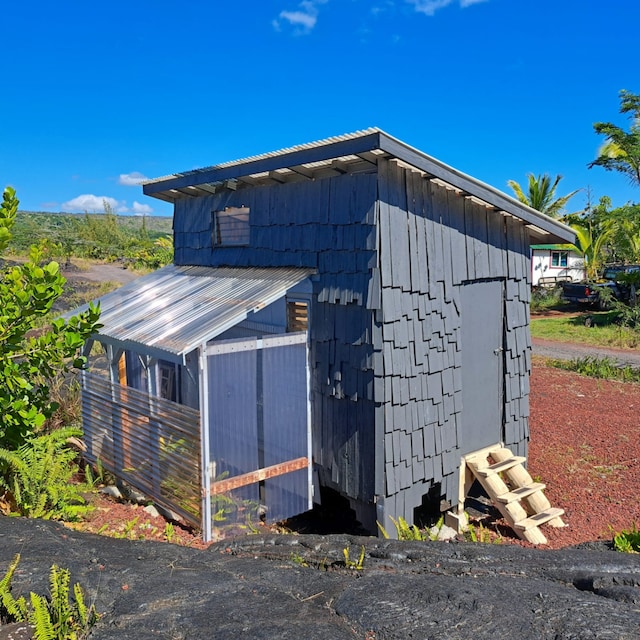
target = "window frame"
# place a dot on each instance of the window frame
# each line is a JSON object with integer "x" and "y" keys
{"x": 226, "y": 232}
{"x": 557, "y": 263}
{"x": 293, "y": 303}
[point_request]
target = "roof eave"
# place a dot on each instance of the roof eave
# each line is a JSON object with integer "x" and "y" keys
{"x": 552, "y": 229}
{"x": 350, "y": 146}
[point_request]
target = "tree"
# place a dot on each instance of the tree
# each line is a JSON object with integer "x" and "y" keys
{"x": 621, "y": 149}
{"x": 541, "y": 194}
{"x": 590, "y": 243}
{"x": 30, "y": 359}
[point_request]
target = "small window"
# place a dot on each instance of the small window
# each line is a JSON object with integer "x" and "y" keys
{"x": 169, "y": 380}
{"x": 231, "y": 227}
{"x": 297, "y": 315}
{"x": 559, "y": 258}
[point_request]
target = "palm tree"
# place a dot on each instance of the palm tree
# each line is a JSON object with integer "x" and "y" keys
{"x": 590, "y": 244}
{"x": 541, "y": 194}
{"x": 621, "y": 149}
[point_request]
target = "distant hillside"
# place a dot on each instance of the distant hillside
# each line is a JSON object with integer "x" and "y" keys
{"x": 160, "y": 225}
{"x": 144, "y": 241}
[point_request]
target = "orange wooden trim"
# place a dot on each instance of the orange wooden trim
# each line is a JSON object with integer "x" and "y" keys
{"x": 122, "y": 375}
{"x": 122, "y": 370}
{"x": 257, "y": 476}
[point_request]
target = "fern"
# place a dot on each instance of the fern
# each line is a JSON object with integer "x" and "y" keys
{"x": 56, "y": 618}
{"x": 86, "y": 616}
{"x": 59, "y": 582}
{"x": 408, "y": 532}
{"x": 40, "y": 619}
{"x": 15, "y": 609}
{"x": 39, "y": 477}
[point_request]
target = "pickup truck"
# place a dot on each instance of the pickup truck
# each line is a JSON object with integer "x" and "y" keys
{"x": 588, "y": 293}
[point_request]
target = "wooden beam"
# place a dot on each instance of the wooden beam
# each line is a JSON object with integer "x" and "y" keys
{"x": 277, "y": 176}
{"x": 303, "y": 171}
{"x": 340, "y": 166}
{"x": 209, "y": 188}
{"x": 222, "y": 486}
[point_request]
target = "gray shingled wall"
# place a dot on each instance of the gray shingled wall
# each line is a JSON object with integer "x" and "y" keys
{"x": 432, "y": 240}
{"x": 391, "y": 250}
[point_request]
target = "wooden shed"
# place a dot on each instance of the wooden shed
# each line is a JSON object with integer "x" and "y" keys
{"x": 409, "y": 283}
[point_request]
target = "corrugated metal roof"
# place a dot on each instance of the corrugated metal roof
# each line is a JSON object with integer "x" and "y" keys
{"x": 272, "y": 154}
{"x": 348, "y": 153}
{"x": 175, "y": 309}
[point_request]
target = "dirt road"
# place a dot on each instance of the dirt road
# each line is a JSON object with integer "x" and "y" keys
{"x": 104, "y": 273}
{"x": 570, "y": 350}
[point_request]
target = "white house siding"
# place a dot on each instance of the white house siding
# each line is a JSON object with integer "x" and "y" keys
{"x": 547, "y": 261}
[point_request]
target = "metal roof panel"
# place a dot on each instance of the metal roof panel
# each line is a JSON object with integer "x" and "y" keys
{"x": 177, "y": 308}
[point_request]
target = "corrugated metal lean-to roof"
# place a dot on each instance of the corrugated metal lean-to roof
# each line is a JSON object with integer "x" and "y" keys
{"x": 172, "y": 311}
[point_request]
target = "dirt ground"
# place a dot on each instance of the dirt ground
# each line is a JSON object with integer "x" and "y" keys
{"x": 585, "y": 445}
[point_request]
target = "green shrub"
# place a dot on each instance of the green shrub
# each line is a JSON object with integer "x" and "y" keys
{"x": 30, "y": 360}
{"x": 627, "y": 541}
{"x": 545, "y": 298}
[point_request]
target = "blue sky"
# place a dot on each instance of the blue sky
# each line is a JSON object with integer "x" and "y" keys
{"x": 97, "y": 95}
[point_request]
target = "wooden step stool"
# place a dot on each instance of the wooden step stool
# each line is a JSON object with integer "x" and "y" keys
{"x": 520, "y": 500}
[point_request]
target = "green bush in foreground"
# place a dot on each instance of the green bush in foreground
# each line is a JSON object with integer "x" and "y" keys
{"x": 627, "y": 541}
{"x": 30, "y": 360}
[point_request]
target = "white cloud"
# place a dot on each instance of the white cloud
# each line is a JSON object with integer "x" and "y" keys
{"x": 141, "y": 209}
{"x": 93, "y": 204}
{"x": 429, "y": 7}
{"x": 303, "y": 20}
{"x": 132, "y": 179}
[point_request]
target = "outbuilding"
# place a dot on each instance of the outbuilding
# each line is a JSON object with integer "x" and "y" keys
{"x": 349, "y": 314}
{"x": 555, "y": 263}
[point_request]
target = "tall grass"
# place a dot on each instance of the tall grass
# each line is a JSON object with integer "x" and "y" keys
{"x": 596, "y": 367}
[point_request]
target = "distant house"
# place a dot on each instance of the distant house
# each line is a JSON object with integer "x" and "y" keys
{"x": 549, "y": 261}
{"x": 349, "y": 314}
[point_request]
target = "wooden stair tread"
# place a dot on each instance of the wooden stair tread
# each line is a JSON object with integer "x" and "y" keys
{"x": 499, "y": 466}
{"x": 521, "y": 492}
{"x": 539, "y": 518}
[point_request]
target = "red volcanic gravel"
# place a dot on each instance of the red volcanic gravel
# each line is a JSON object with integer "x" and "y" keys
{"x": 585, "y": 446}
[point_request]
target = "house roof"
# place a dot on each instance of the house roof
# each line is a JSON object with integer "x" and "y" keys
{"x": 172, "y": 311}
{"x": 350, "y": 153}
{"x": 553, "y": 247}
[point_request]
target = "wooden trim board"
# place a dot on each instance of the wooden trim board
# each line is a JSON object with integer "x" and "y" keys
{"x": 259, "y": 475}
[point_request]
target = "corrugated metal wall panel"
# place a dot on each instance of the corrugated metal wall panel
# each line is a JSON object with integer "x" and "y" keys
{"x": 151, "y": 443}
{"x": 258, "y": 398}
{"x": 233, "y": 432}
